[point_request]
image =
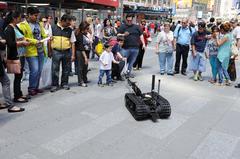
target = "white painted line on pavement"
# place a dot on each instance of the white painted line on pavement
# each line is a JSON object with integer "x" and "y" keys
{"x": 74, "y": 138}
{"x": 164, "y": 128}
{"x": 27, "y": 156}
{"x": 216, "y": 145}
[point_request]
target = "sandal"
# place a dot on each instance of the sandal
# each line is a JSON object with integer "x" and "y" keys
{"x": 15, "y": 109}
{"x": 20, "y": 100}
{"x": 26, "y": 97}
{"x": 212, "y": 81}
{"x": 3, "y": 106}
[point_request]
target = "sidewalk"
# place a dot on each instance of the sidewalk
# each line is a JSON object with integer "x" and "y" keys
{"x": 93, "y": 123}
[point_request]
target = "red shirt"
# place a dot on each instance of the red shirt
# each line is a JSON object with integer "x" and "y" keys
{"x": 146, "y": 34}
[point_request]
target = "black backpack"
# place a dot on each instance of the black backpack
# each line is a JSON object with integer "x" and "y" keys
{"x": 190, "y": 29}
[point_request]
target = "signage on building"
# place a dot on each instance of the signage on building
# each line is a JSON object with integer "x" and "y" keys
{"x": 112, "y": 3}
{"x": 3, "y": 5}
{"x": 201, "y": 1}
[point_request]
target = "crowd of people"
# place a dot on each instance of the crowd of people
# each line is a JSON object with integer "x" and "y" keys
{"x": 30, "y": 45}
{"x": 218, "y": 42}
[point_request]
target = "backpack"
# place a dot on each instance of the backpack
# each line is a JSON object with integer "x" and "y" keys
{"x": 99, "y": 48}
{"x": 190, "y": 29}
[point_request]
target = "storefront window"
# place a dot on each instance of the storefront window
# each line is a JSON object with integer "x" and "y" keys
{"x": 137, "y": 1}
{"x": 149, "y": 1}
{"x": 143, "y": 1}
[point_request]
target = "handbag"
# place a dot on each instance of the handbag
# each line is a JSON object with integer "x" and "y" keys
{"x": 14, "y": 66}
{"x": 169, "y": 46}
{"x": 232, "y": 70}
{"x": 234, "y": 49}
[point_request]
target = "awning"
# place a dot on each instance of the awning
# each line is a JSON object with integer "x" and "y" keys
{"x": 112, "y": 3}
{"x": 3, "y": 5}
{"x": 148, "y": 10}
{"x": 75, "y": 4}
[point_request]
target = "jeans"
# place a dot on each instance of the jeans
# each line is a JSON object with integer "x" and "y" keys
{"x": 6, "y": 89}
{"x": 163, "y": 58}
{"x": 117, "y": 69}
{"x": 70, "y": 68}
{"x": 181, "y": 52}
{"x": 101, "y": 74}
{"x": 222, "y": 72}
{"x": 198, "y": 62}
{"x": 131, "y": 55}
{"x": 17, "y": 81}
{"x": 58, "y": 57}
{"x": 213, "y": 63}
{"x": 139, "y": 60}
{"x": 81, "y": 68}
{"x": 35, "y": 66}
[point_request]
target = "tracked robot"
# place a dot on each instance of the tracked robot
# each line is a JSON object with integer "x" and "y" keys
{"x": 143, "y": 106}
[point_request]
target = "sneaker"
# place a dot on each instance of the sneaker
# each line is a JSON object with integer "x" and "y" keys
{"x": 100, "y": 84}
{"x": 135, "y": 68}
{"x": 66, "y": 87}
{"x": 109, "y": 84}
{"x": 195, "y": 78}
{"x": 82, "y": 85}
{"x": 237, "y": 86}
{"x": 228, "y": 83}
{"x": 200, "y": 78}
{"x": 162, "y": 73}
{"x": 54, "y": 89}
{"x": 170, "y": 74}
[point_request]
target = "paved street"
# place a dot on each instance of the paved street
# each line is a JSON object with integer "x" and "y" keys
{"x": 93, "y": 123}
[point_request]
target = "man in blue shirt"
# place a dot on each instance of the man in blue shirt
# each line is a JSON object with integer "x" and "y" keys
{"x": 182, "y": 35}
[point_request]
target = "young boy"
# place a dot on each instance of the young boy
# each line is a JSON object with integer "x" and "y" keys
{"x": 106, "y": 60}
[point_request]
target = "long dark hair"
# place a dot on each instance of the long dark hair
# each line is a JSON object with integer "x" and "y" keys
{"x": 11, "y": 16}
{"x": 83, "y": 26}
{"x": 105, "y": 22}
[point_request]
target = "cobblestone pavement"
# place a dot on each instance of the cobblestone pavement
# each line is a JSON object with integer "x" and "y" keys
{"x": 93, "y": 123}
